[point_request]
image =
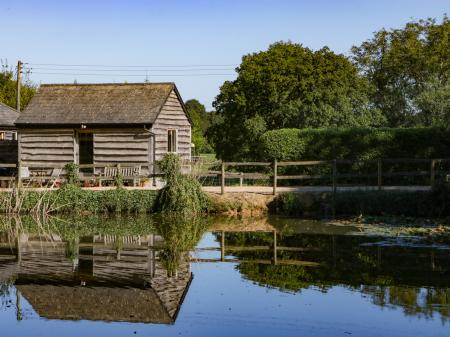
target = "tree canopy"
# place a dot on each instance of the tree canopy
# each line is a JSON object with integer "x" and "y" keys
{"x": 200, "y": 122}
{"x": 409, "y": 69}
{"x": 288, "y": 86}
{"x": 8, "y": 89}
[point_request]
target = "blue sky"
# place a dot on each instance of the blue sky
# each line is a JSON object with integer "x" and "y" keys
{"x": 205, "y": 39}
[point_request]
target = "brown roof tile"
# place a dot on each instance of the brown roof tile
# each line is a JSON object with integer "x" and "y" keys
{"x": 135, "y": 103}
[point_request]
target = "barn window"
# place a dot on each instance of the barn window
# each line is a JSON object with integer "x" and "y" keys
{"x": 172, "y": 140}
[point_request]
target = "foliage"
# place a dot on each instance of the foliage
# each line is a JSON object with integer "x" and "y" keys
{"x": 72, "y": 177}
{"x": 200, "y": 122}
{"x": 72, "y": 199}
{"x": 288, "y": 86}
{"x": 8, "y": 89}
{"x": 181, "y": 233}
{"x": 355, "y": 143}
{"x": 409, "y": 70}
{"x": 182, "y": 193}
{"x": 118, "y": 180}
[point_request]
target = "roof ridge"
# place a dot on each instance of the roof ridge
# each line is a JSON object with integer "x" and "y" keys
{"x": 100, "y": 84}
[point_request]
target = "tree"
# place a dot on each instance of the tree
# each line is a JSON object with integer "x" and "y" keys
{"x": 405, "y": 67}
{"x": 8, "y": 89}
{"x": 200, "y": 121}
{"x": 288, "y": 86}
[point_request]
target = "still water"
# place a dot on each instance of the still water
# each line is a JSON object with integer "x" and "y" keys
{"x": 176, "y": 276}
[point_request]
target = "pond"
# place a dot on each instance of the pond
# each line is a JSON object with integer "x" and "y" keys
{"x": 182, "y": 276}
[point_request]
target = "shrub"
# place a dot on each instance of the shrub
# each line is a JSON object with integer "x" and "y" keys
{"x": 72, "y": 174}
{"x": 181, "y": 193}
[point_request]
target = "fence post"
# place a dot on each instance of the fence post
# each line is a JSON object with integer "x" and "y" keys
{"x": 222, "y": 178}
{"x": 432, "y": 172}
{"x": 241, "y": 179}
{"x": 275, "y": 176}
{"x": 19, "y": 173}
{"x": 334, "y": 183}
{"x": 380, "y": 174}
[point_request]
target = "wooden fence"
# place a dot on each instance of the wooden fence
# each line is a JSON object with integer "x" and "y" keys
{"x": 272, "y": 171}
{"x": 333, "y": 165}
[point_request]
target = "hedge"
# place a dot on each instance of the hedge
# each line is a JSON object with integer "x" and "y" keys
{"x": 355, "y": 143}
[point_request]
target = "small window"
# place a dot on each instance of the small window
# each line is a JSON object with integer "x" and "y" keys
{"x": 172, "y": 141}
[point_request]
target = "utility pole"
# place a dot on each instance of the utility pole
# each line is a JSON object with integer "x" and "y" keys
{"x": 19, "y": 72}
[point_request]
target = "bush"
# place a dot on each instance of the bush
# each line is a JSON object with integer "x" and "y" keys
{"x": 181, "y": 193}
{"x": 355, "y": 143}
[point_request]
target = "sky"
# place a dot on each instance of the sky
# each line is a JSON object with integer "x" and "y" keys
{"x": 196, "y": 44}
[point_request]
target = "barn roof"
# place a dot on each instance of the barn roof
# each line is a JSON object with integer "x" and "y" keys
{"x": 7, "y": 115}
{"x": 96, "y": 304}
{"x": 91, "y": 104}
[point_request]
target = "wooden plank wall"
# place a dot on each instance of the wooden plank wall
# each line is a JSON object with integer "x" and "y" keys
{"x": 46, "y": 147}
{"x": 122, "y": 146}
{"x": 172, "y": 116}
{"x": 8, "y": 151}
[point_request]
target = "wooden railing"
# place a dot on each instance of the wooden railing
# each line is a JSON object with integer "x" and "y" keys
{"x": 333, "y": 165}
{"x": 272, "y": 171}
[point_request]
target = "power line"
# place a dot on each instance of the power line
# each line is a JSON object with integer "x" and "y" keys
{"x": 132, "y": 66}
{"x": 127, "y": 75}
{"x": 141, "y": 70}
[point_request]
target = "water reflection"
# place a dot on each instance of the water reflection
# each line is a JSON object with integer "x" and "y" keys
{"x": 415, "y": 278}
{"x": 69, "y": 271}
{"x": 138, "y": 269}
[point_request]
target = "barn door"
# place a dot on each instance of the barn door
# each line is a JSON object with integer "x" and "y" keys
{"x": 85, "y": 149}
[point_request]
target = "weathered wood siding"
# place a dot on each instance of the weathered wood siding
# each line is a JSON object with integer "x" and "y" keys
{"x": 172, "y": 117}
{"x": 46, "y": 147}
{"x": 122, "y": 146}
{"x": 8, "y": 151}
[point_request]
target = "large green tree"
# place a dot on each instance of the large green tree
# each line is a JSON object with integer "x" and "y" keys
{"x": 288, "y": 86}
{"x": 200, "y": 122}
{"x": 8, "y": 89}
{"x": 409, "y": 69}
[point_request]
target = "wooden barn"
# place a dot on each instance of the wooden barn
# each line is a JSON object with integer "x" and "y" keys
{"x": 132, "y": 125}
{"x": 8, "y": 135}
{"x": 7, "y": 118}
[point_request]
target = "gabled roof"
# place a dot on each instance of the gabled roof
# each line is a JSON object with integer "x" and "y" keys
{"x": 91, "y": 104}
{"x": 7, "y": 115}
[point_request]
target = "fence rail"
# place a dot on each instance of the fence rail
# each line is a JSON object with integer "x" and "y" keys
{"x": 334, "y": 175}
{"x": 272, "y": 171}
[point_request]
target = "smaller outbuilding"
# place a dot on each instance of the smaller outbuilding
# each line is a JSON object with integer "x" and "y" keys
{"x": 8, "y": 117}
{"x": 8, "y": 138}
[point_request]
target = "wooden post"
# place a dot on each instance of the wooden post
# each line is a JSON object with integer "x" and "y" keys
{"x": 432, "y": 172}
{"x": 241, "y": 179}
{"x": 19, "y": 72}
{"x": 334, "y": 183}
{"x": 275, "y": 176}
{"x": 19, "y": 174}
{"x": 222, "y": 178}
{"x": 274, "y": 247}
{"x": 380, "y": 174}
{"x": 222, "y": 246}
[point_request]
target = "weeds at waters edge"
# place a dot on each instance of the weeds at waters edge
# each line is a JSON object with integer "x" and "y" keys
{"x": 72, "y": 199}
{"x": 182, "y": 193}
